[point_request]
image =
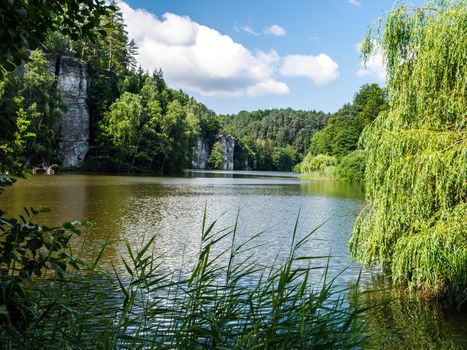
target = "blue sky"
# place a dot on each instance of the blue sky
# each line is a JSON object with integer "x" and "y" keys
{"x": 257, "y": 54}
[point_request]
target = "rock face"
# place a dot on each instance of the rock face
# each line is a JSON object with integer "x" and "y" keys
{"x": 74, "y": 125}
{"x": 228, "y": 147}
{"x": 200, "y": 154}
{"x": 202, "y": 151}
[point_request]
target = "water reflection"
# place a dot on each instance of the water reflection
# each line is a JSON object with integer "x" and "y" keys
{"x": 399, "y": 320}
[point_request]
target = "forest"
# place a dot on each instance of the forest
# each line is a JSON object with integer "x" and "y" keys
{"x": 137, "y": 123}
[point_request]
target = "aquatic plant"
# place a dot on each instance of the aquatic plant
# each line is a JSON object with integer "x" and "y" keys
{"x": 416, "y": 173}
{"x": 224, "y": 299}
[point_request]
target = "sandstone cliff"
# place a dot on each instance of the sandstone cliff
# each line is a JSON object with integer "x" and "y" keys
{"x": 74, "y": 125}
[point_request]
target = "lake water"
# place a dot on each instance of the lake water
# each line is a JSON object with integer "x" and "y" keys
{"x": 134, "y": 208}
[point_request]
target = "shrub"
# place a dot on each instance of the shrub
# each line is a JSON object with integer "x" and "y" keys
{"x": 320, "y": 163}
{"x": 351, "y": 168}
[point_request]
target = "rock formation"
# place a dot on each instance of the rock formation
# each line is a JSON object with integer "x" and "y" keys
{"x": 228, "y": 147}
{"x": 201, "y": 154}
{"x": 74, "y": 125}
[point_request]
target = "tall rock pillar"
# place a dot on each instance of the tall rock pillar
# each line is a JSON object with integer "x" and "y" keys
{"x": 227, "y": 149}
{"x": 200, "y": 154}
{"x": 74, "y": 125}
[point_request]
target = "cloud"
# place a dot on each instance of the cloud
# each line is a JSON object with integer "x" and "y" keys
{"x": 200, "y": 59}
{"x": 355, "y": 3}
{"x": 249, "y": 30}
{"x": 321, "y": 69}
{"x": 275, "y": 30}
{"x": 373, "y": 68}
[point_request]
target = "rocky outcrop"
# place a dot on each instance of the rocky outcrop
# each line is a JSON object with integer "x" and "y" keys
{"x": 227, "y": 149}
{"x": 200, "y": 154}
{"x": 74, "y": 125}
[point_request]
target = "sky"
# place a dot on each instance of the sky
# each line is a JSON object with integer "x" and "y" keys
{"x": 235, "y": 55}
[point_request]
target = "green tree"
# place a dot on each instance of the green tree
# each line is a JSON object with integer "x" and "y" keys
{"x": 42, "y": 104}
{"x": 121, "y": 125}
{"x": 216, "y": 160}
{"x": 351, "y": 167}
{"x": 177, "y": 150}
{"x": 31, "y": 108}
{"x": 26, "y": 23}
{"x": 284, "y": 158}
{"x": 261, "y": 131}
{"x": 415, "y": 179}
{"x": 342, "y": 133}
{"x": 321, "y": 163}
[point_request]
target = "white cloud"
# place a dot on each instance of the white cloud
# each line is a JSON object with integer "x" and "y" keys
{"x": 374, "y": 67}
{"x": 200, "y": 59}
{"x": 249, "y": 30}
{"x": 275, "y": 30}
{"x": 320, "y": 69}
{"x": 355, "y": 3}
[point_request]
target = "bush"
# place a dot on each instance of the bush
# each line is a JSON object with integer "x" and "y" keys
{"x": 283, "y": 158}
{"x": 320, "y": 163}
{"x": 351, "y": 168}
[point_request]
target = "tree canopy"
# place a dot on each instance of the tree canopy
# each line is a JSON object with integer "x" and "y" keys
{"x": 25, "y": 25}
{"x": 272, "y": 139}
{"x": 417, "y": 151}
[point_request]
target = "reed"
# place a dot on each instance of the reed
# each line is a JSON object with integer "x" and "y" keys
{"x": 224, "y": 300}
{"x": 227, "y": 301}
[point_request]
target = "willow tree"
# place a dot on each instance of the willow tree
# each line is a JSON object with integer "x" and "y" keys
{"x": 416, "y": 221}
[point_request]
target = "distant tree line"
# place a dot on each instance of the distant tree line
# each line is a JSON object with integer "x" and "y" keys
{"x": 337, "y": 145}
{"x": 274, "y": 139}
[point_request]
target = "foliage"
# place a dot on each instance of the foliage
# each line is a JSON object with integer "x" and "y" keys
{"x": 283, "y": 158}
{"x": 25, "y": 25}
{"x": 42, "y": 106}
{"x": 415, "y": 179}
{"x": 320, "y": 163}
{"x": 122, "y": 124}
{"x": 258, "y": 133}
{"x": 244, "y": 156}
{"x": 341, "y": 134}
{"x": 27, "y": 249}
{"x": 351, "y": 168}
{"x": 59, "y": 44}
{"x": 216, "y": 159}
{"x": 150, "y": 129}
{"x": 31, "y": 108}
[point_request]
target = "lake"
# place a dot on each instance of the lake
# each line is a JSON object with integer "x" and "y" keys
{"x": 134, "y": 208}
